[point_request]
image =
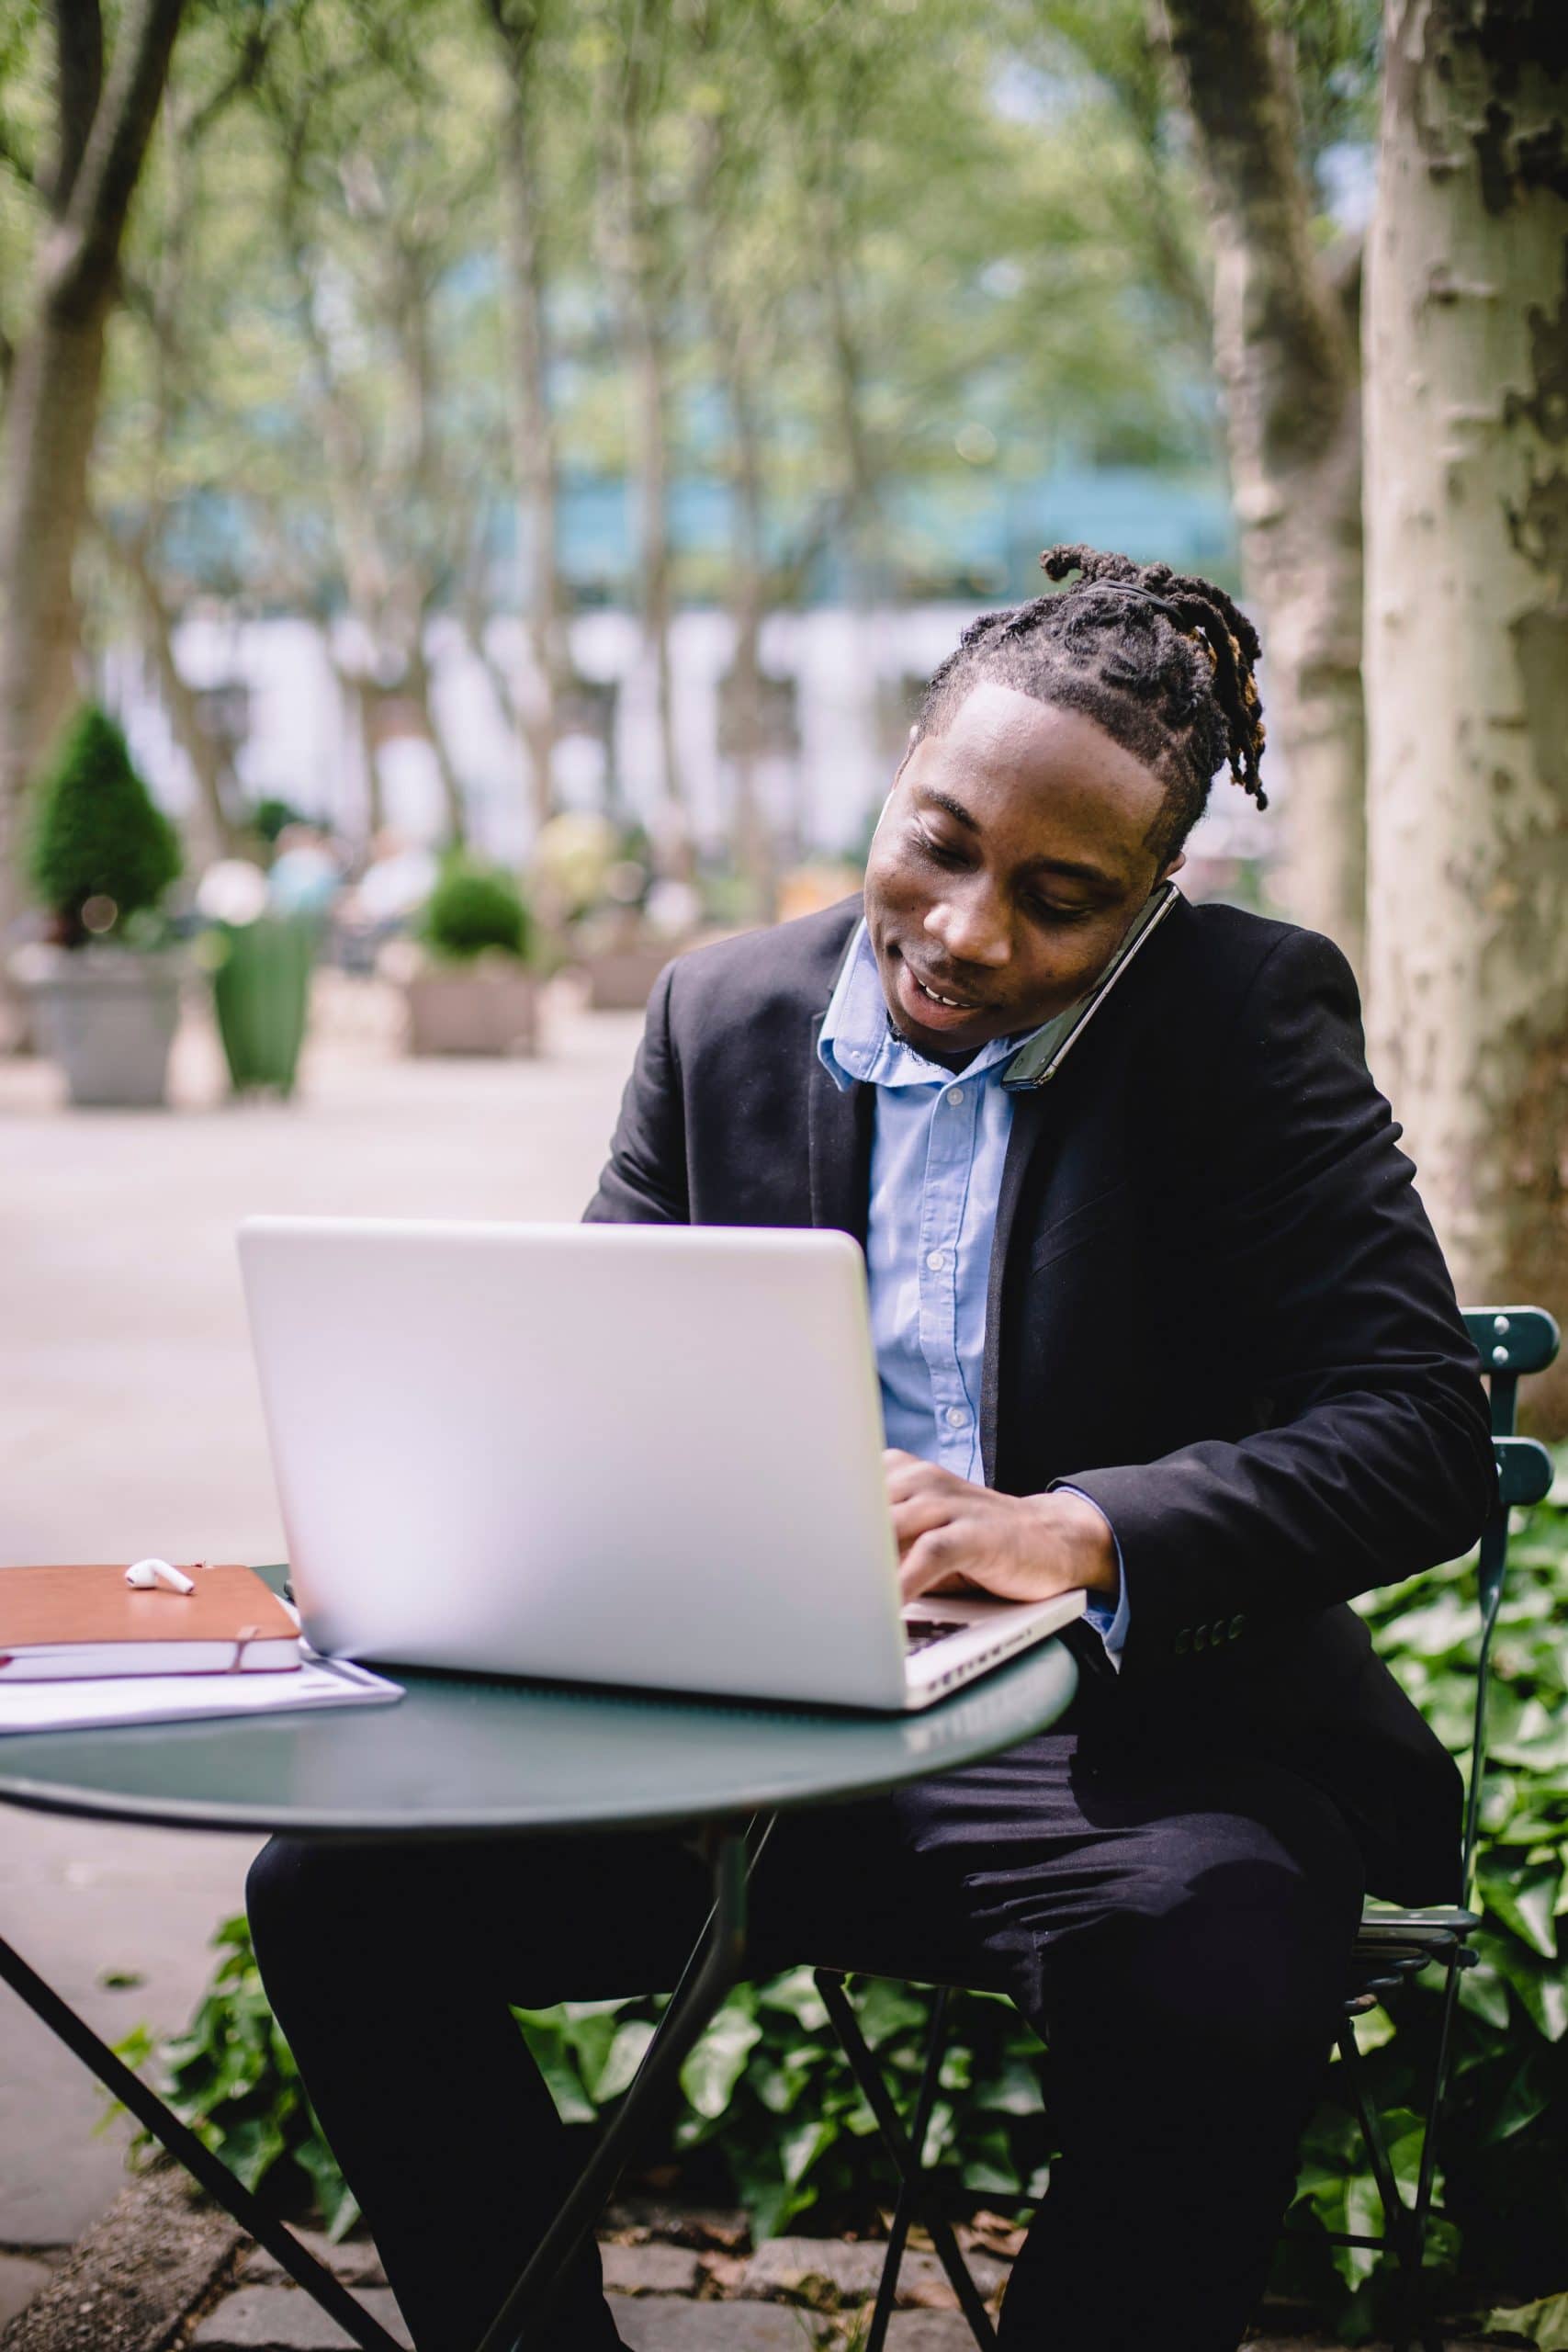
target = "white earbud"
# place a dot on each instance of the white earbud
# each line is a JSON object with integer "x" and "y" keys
{"x": 143, "y": 1574}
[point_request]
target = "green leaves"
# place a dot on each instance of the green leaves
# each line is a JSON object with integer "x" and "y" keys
{"x": 1545, "y": 2324}
{"x": 715, "y": 2065}
{"x": 1524, "y": 1900}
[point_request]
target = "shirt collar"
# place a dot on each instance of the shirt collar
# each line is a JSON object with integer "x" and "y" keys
{"x": 859, "y": 1042}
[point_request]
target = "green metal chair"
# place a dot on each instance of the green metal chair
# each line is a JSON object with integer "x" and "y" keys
{"x": 1391, "y": 1946}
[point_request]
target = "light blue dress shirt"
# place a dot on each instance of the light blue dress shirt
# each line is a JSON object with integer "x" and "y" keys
{"x": 938, "y": 1146}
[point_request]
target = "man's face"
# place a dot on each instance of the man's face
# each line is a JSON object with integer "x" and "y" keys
{"x": 1012, "y": 857}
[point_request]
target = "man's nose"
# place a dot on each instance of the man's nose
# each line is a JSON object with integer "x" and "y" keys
{"x": 970, "y": 927}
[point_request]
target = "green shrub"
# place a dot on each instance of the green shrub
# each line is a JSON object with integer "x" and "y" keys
{"x": 96, "y": 835}
{"x": 771, "y": 2110}
{"x": 474, "y": 907}
{"x": 271, "y": 816}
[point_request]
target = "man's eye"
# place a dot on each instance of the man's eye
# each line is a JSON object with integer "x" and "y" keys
{"x": 942, "y": 850}
{"x": 1043, "y": 911}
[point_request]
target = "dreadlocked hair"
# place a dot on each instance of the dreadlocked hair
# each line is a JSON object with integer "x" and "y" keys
{"x": 1164, "y": 662}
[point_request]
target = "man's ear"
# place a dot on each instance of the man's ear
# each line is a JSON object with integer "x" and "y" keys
{"x": 1177, "y": 862}
{"x": 904, "y": 756}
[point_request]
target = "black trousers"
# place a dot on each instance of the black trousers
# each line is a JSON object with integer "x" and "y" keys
{"x": 1180, "y": 1942}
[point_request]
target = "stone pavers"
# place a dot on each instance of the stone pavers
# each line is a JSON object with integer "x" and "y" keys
{"x": 165, "y": 2268}
{"x": 792, "y": 2295}
{"x": 353, "y": 2260}
{"x": 827, "y": 2271}
{"x": 280, "y": 2319}
{"x": 652, "y": 2269}
{"x": 928, "y": 2332}
{"x": 668, "y": 2324}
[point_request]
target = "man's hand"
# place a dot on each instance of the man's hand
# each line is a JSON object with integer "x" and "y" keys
{"x": 1020, "y": 1547}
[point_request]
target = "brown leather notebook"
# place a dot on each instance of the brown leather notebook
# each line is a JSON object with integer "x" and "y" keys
{"x": 76, "y": 1621}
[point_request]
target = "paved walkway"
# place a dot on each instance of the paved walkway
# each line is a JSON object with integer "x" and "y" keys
{"x": 130, "y": 1423}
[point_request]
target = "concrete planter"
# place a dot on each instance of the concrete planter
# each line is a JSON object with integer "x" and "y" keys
{"x": 490, "y": 1008}
{"x": 619, "y": 978}
{"x": 108, "y": 1016}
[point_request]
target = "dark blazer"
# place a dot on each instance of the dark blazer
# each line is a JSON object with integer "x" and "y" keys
{"x": 1216, "y": 1306}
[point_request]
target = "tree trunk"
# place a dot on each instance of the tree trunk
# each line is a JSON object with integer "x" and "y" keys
{"x": 417, "y": 685}
{"x": 650, "y": 471}
{"x": 363, "y": 697}
{"x": 52, "y": 403}
{"x": 51, "y": 419}
{"x": 534, "y": 459}
{"x": 1285, "y": 356}
{"x": 753, "y": 836}
{"x": 1467, "y": 633}
{"x": 866, "y": 586}
{"x": 214, "y": 829}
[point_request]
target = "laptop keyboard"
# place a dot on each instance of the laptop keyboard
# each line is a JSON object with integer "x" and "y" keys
{"x": 920, "y": 1633}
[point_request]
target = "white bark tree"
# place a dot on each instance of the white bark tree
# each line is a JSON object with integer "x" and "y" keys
{"x": 534, "y": 463}
{"x": 105, "y": 108}
{"x": 1466, "y": 342}
{"x": 1285, "y": 354}
{"x": 640, "y": 210}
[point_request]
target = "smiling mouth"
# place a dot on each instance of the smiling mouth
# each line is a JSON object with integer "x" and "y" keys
{"x": 950, "y": 1003}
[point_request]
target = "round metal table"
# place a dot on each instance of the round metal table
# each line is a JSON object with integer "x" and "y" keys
{"x": 461, "y": 1757}
{"x": 464, "y": 1758}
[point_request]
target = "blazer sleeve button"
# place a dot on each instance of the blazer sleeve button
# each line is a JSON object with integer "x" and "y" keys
{"x": 1183, "y": 1641}
{"x": 1199, "y": 1637}
{"x": 1238, "y": 1621}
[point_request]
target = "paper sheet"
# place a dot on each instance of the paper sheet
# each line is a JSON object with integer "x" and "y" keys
{"x": 88, "y": 1705}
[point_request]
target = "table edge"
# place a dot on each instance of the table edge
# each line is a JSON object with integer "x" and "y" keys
{"x": 149, "y": 1811}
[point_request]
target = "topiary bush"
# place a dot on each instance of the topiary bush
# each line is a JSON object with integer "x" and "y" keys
{"x": 473, "y": 910}
{"x": 99, "y": 853}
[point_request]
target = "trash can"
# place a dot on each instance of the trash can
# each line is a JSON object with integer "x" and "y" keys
{"x": 260, "y": 991}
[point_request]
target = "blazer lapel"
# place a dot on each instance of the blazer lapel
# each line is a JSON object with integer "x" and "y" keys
{"x": 838, "y": 1130}
{"x": 1023, "y": 1135}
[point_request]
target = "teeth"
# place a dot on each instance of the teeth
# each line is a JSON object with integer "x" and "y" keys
{"x": 951, "y": 1002}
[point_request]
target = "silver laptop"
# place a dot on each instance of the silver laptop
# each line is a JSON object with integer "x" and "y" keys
{"x": 612, "y": 1453}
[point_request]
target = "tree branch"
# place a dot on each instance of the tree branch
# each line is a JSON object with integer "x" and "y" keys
{"x": 248, "y": 69}
{"x": 79, "y": 77}
{"x": 1293, "y": 338}
{"x": 100, "y": 198}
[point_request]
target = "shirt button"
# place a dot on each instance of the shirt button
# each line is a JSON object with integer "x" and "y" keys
{"x": 956, "y": 1417}
{"x": 937, "y": 1260}
{"x": 955, "y": 1094}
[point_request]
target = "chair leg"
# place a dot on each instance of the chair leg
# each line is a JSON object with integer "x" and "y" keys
{"x": 1396, "y": 2214}
{"x": 887, "y": 2284}
{"x": 1410, "y": 2323}
{"x": 907, "y": 2159}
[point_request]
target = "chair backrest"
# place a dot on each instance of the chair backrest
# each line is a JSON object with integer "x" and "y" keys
{"x": 1513, "y": 1341}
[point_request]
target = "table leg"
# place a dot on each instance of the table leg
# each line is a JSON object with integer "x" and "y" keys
{"x": 709, "y": 1973}
{"x": 183, "y": 2144}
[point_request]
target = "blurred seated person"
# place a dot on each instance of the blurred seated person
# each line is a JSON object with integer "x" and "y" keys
{"x": 306, "y": 873}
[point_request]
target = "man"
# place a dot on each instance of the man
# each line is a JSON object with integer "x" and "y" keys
{"x": 1171, "y": 1329}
